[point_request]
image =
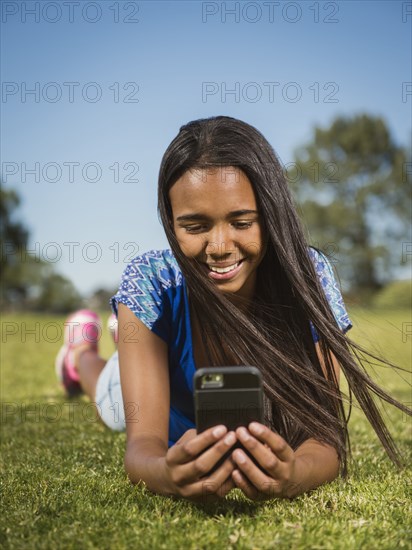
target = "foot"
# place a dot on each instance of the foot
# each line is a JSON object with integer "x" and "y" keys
{"x": 112, "y": 325}
{"x": 82, "y": 332}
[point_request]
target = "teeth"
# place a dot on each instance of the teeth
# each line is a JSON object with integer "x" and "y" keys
{"x": 224, "y": 269}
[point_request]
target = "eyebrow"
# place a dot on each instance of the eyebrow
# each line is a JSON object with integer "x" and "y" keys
{"x": 234, "y": 214}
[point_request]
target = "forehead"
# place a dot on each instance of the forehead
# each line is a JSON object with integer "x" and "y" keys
{"x": 214, "y": 190}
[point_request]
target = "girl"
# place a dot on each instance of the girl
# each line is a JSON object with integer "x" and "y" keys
{"x": 240, "y": 286}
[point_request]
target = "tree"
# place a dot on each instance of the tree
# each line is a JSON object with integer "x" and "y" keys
{"x": 13, "y": 234}
{"x": 27, "y": 281}
{"x": 15, "y": 273}
{"x": 100, "y": 298}
{"x": 353, "y": 184}
{"x": 58, "y": 295}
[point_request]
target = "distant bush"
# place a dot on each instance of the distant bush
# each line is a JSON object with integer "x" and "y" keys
{"x": 397, "y": 294}
{"x": 57, "y": 295}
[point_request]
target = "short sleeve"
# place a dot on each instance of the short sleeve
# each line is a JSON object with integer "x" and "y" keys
{"x": 144, "y": 289}
{"x": 332, "y": 291}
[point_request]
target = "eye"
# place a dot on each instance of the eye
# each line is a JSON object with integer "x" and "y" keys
{"x": 242, "y": 225}
{"x": 194, "y": 228}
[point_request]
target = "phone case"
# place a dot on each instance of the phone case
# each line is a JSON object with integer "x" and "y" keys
{"x": 232, "y": 396}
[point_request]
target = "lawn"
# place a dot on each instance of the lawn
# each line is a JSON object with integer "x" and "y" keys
{"x": 64, "y": 486}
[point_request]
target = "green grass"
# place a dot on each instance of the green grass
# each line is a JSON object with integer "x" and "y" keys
{"x": 64, "y": 486}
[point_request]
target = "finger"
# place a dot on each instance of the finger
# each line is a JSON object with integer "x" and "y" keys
{"x": 204, "y": 463}
{"x": 185, "y": 451}
{"x": 222, "y": 473}
{"x": 244, "y": 484}
{"x": 263, "y": 483}
{"x": 278, "y": 445}
{"x": 266, "y": 458}
{"x": 187, "y": 436}
{"x": 226, "y": 487}
{"x": 200, "y": 466}
{"x": 217, "y": 485}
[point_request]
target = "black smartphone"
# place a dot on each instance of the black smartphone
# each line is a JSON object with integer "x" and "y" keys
{"x": 232, "y": 396}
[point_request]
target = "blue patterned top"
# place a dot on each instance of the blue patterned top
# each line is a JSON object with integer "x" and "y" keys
{"x": 154, "y": 289}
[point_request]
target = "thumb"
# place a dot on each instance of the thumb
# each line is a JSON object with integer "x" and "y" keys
{"x": 187, "y": 436}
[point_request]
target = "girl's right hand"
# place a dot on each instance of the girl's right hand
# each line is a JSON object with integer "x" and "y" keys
{"x": 188, "y": 462}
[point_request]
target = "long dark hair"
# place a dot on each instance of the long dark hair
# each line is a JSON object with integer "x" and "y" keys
{"x": 274, "y": 333}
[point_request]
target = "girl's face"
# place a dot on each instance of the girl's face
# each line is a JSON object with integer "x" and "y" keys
{"x": 216, "y": 222}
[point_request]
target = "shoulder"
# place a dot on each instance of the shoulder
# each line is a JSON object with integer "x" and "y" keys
{"x": 157, "y": 267}
{"x": 325, "y": 272}
{"x": 146, "y": 287}
{"x": 320, "y": 260}
{"x": 324, "y": 269}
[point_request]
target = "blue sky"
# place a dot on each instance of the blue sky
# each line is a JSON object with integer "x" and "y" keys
{"x": 110, "y": 95}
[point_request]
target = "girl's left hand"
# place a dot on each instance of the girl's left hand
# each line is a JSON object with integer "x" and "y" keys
{"x": 275, "y": 456}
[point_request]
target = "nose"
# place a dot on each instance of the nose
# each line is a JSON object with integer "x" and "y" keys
{"x": 219, "y": 242}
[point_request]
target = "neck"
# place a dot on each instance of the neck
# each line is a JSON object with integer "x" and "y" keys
{"x": 242, "y": 302}
{"x": 243, "y": 298}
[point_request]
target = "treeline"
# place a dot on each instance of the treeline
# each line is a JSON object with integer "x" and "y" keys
{"x": 27, "y": 281}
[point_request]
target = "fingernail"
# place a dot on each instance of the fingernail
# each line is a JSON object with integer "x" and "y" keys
{"x": 236, "y": 475}
{"x": 243, "y": 434}
{"x": 256, "y": 428}
{"x": 219, "y": 431}
{"x": 230, "y": 438}
{"x": 240, "y": 457}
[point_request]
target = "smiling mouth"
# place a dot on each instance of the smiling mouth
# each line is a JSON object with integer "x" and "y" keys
{"x": 224, "y": 269}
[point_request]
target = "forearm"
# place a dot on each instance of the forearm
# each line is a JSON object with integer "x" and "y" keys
{"x": 316, "y": 463}
{"x": 145, "y": 461}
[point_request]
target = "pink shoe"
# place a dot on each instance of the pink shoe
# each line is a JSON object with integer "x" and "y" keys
{"x": 113, "y": 328}
{"x": 79, "y": 328}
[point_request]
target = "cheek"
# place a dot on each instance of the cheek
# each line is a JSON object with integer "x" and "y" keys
{"x": 253, "y": 244}
{"x": 190, "y": 245}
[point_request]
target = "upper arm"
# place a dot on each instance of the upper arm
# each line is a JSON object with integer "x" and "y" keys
{"x": 336, "y": 366}
{"x": 144, "y": 375}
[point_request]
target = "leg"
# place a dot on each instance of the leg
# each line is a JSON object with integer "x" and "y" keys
{"x": 109, "y": 402}
{"x": 108, "y": 397}
{"x": 89, "y": 365}
{"x": 82, "y": 331}
{"x": 81, "y": 370}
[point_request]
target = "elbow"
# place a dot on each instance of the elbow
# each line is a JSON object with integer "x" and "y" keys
{"x": 335, "y": 466}
{"x": 145, "y": 466}
{"x": 131, "y": 468}
{"x": 332, "y": 463}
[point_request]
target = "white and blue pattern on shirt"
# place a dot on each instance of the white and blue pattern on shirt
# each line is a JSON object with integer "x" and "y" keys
{"x": 144, "y": 281}
{"x": 331, "y": 288}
